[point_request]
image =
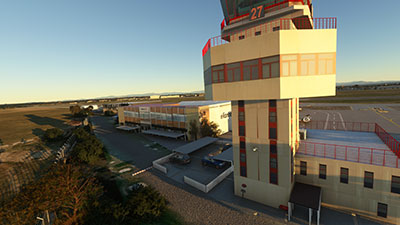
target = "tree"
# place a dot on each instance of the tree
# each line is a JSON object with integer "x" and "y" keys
{"x": 88, "y": 148}
{"x": 193, "y": 129}
{"x": 1, "y": 142}
{"x": 53, "y": 134}
{"x": 209, "y": 128}
{"x": 109, "y": 113}
{"x": 67, "y": 192}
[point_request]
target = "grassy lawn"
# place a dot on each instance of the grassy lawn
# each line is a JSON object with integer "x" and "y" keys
{"x": 30, "y": 122}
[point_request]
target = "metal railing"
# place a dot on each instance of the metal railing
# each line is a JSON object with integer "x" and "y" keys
{"x": 372, "y": 156}
{"x": 388, "y": 139}
{"x": 280, "y": 24}
{"x": 342, "y": 126}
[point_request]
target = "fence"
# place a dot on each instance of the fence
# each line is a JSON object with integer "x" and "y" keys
{"x": 372, "y": 156}
{"x": 388, "y": 139}
{"x": 342, "y": 126}
{"x": 207, "y": 188}
{"x": 158, "y": 163}
{"x": 279, "y": 24}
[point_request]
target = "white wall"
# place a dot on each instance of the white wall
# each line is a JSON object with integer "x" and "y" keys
{"x": 219, "y": 115}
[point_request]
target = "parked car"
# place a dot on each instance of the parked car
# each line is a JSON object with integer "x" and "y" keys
{"x": 210, "y": 161}
{"x": 180, "y": 158}
{"x": 137, "y": 186}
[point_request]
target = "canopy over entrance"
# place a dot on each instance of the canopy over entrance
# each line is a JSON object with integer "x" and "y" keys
{"x": 308, "y": 196}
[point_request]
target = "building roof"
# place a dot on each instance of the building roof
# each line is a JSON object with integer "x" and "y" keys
{"x": 306, "y": 195}
{"x": 195, "y": 145}
{"x": 162, "y": 133}
{"x": 201, "y": 103}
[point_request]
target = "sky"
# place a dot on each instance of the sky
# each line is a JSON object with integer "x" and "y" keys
{"x": 78, "y": 49}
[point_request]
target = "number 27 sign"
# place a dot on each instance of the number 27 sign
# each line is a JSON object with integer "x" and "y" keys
{"x": 257, "y": 12}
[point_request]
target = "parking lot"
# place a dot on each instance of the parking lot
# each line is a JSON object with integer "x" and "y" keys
{"x": 195, "y": 169}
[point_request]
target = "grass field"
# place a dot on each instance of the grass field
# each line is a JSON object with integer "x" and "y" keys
{"x": 30, "y": 122}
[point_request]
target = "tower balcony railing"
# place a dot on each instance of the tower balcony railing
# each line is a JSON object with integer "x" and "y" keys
{"x": 276, "y": 25}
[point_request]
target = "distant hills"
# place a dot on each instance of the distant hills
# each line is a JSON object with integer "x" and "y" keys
{"x": 362, "y": 83}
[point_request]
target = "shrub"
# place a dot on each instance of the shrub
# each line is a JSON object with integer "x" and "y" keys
{"x": 88, "y": 148}
{"x": 53, "y": 134}
{"x": 146, "y": 204}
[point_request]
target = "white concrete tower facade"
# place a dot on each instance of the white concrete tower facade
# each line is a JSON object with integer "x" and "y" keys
{"x": 270, "y": 54}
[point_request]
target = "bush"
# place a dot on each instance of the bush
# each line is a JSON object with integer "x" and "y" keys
{"x": 146, "y": 204}
{"x": 88, "y": 148}
{"x": 53, "y": 134}
{"x": 1, "y": 142}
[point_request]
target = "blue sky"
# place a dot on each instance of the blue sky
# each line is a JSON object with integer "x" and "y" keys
{"x": 73, "y": 49}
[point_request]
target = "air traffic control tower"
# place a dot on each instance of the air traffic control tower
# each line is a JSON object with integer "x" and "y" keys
{"x": 270, "y": 53}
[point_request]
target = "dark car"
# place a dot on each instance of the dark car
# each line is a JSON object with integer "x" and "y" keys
{"x": 210, "y": 161}
{"x": 180, "y": 158}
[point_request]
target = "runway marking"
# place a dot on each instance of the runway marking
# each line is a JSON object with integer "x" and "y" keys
{"x": 341, "y": 118}
{"x": 326, "y": 123}
{"x": 388, "y": 119}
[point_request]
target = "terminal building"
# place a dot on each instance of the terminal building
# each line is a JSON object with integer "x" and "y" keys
{"x": 271, "y": 53}
{"x": 175, "y": 119}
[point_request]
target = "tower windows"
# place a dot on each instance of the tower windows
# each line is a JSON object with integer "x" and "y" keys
{"x": 382, "y": 210}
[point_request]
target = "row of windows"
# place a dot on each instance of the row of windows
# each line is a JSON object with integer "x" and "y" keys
{"x": 157, "y": 116}
{"x": 272, "y": 67}
{"x": 344, "y": 177}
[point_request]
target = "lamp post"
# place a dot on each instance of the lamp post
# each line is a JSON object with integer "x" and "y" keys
{"x": 255, "y": 149}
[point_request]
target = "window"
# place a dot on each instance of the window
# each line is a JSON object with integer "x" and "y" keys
{"x": 289, "y": 65}
{"x": 242, "y": 131}
{"x": 322, "y": 171}
{"x": 233, "y": 72}
{"x": 257, "y": 33}
{"x": 241, "y": 37}
{"x": 308, "y": 64}
{"x": 273, "y": 163}
{"x": 272, "y": 133}
{"x": 250, "y": 70}
{"x": 242, "y": 157}
{"x": 395, "y": 185}
{"x": 273, "y": 178}
{"x": 272, "y": 103}
{"x": 303, "y": 168}
{"x": 368, "y": 179}
{"x": 270, "y": 67}
{"x": 382, "y": 209}
{"x": 273, "y": 149}
{"x": 326, "y": 63}
{"x": 242, "y": 145}
{"x": 241, "y": 104}
{"x": 218, "y": 74}
{"x": 344, "y": 175}
{"x": 272, "y": 117}
{"x": 241, "y": 116}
